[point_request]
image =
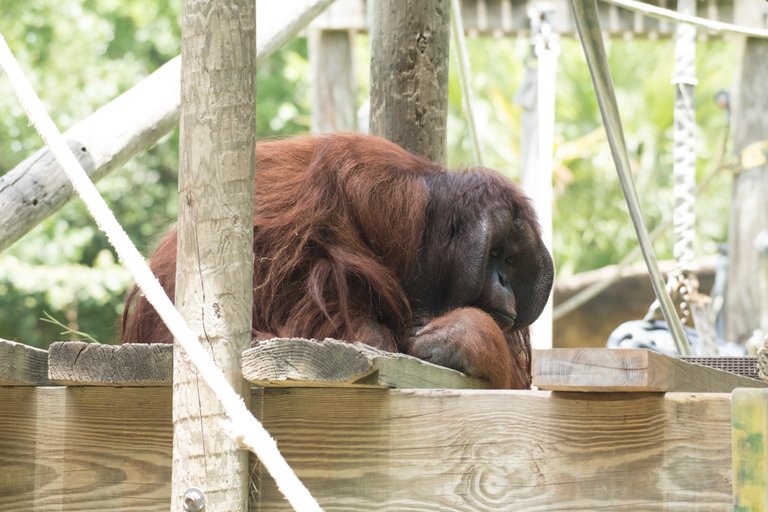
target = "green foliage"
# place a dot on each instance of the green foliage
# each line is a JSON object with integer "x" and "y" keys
{"x": 80, "y": 54}
{"x": 592, "y": 227}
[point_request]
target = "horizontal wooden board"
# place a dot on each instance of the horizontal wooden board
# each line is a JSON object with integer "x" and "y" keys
{"x": 94, "y": 364}
{"x": 109, "y": 448}
{"x": 469, "y": 450}
{"x": 22, "y": 365}
{"x": 605, "y": 369}
{"x": 85, "y": 448}
{"x": 302, "y": 362}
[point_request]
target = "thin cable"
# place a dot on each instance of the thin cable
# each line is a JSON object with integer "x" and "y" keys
{"x": 245, "y": 429}
{"x": 667, "y": 14}
{"x": 588, "y": 24}
{"x": 467, "y": 95}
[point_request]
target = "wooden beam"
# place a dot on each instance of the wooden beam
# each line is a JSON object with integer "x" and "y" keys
{"x": 749, "y": 419}
{"x": 92, "y": 364}
{"x": 332, "y": 81}
{"x": 214, "y": 255}
{"x": 499, "y": 450}
{"x": 409, "y": 74}
{"x": 312, "y": 363}
{"x": 608, "y": 369}
{"x": 36, "y": 188}
{"x": 109, "y": 448}
{"x": 22, "y": 365}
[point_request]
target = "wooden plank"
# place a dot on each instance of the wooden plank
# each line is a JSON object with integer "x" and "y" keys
{"x": 397, "y": 450}
{"x": 605, "y": 369}
{"x": 109, "y": 448}
{"x": 85, "y": 448}
{"x": 749, "y": 417}
{"x": 22, "y": 365}
{"x": 301, "y": 362}
{"x": 83, "y": 364}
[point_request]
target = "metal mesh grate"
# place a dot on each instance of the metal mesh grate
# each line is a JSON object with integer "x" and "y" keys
{"x": 745, "y": 366}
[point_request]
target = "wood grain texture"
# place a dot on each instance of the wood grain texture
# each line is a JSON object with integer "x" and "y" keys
{"x": 409, "y": 74}
{"x": 109, "y": 448}
{"x": 22, "y": 365}
{"x": 214, "y": 256}
{"x": 85, "y": 448}
{"x": 80, "y": 363}
{"x": 302, "y": 362}
{"x": 749, "y": 417}
{"x": 467, "y": 450}
{"x": 604, "y": 369}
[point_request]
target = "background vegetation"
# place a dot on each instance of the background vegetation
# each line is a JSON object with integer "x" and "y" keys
{"x": 79, "y": 54}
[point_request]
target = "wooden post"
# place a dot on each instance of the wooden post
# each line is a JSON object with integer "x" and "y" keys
{"x": 332, "y": 78}
{"x": 749, "y": 213}
{"x": 409, "y": 74}
{"x": 215, "y": 257}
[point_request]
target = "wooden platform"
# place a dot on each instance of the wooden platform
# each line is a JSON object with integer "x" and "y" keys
{"x": 95, "y": 445}
{"x": 99, "y": 448}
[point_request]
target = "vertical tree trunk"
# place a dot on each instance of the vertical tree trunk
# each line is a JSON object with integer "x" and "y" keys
{"x": 749, "y": 210}
{"x": 409, "y": 74}
{"x": 333, "y": 83}
{"x": 215, "y": 256}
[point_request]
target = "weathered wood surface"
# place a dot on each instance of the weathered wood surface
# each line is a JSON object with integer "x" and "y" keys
{"x": 409, "y": 74}
{"x": 85, "y": 448}
{"x": 22, "y": 365}
{"x": 483, "y": 450}
{"x": 214, "y": 258}
{"x": 79, "y": 363}
{"x": 749, "y": 417}
{"x": 629, "y": 370}
{"x": 109, "y": 448}
{"x": 312, "y": 363}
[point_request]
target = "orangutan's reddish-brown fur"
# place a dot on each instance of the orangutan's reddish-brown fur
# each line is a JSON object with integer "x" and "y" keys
{"x": 342, "y": 226}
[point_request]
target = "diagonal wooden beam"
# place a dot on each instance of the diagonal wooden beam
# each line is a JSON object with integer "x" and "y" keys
{"x": 118, "y": 131}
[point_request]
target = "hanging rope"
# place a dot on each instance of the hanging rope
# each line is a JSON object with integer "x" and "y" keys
{"x": 682, "y": 284}
{"x": 684, "y": 168}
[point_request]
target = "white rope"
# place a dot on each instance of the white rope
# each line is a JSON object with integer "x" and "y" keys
{"x": 467, "y": 95}
{"x": 666, "y": 14}
{"x": 245, "y": 429}
{"x": 684, "y": 150}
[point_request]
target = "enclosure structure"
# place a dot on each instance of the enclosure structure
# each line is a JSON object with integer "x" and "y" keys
{"x": 625, "y": 430}
{"x": 90, "y": 427}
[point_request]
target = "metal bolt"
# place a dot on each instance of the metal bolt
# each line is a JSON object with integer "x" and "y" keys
{"x": 194, "y": 500}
